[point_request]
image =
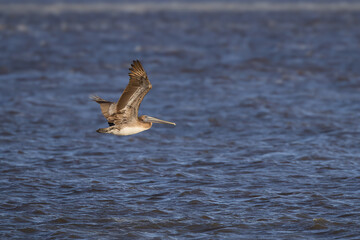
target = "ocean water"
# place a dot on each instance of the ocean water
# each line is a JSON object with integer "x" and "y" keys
{"x": 267, "y": 106}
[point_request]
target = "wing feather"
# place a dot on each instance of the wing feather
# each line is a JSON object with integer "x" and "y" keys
{"x": 139, "y": 85}
{"x": 104, "y": 105}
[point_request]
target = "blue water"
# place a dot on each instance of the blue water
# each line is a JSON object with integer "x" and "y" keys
{"x": 266, "y": 146}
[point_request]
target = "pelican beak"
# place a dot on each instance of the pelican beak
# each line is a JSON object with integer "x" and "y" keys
{"x": 156, "y": 120}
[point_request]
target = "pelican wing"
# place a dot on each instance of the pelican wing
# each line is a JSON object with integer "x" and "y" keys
{"x": 139, "y": 85}
{"x": 104, "y": 105}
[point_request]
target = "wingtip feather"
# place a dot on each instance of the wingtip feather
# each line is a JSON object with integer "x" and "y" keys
{"x": 97, "y": 99}
{"x": 93, "y": 97}
{"x": 136, "y": 68}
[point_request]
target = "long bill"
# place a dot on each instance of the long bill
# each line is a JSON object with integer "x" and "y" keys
{"x": 156, "y": 120}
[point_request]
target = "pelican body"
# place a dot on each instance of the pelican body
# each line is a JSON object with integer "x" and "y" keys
{"x": 122, "y": 116}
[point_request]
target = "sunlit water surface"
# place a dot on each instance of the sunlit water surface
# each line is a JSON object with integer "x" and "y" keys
{"x": 267, "y": 138}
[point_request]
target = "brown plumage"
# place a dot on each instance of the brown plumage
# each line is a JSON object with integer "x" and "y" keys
{"x": 123, "y": 116}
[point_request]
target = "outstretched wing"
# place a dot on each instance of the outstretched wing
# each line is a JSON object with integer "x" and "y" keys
{"x": 139, "y": 85}
{"x": 104, "y": 105}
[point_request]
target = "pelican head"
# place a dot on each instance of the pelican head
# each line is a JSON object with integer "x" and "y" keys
{"x": 148, "y": 119}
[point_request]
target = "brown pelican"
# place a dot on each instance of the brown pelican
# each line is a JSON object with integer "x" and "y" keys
{"x": 122, "y": 116}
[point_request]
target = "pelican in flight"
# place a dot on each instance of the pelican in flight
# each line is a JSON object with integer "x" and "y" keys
{"x": 122, "y": 116}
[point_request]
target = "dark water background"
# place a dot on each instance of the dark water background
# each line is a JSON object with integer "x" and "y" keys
{"x": 267, "y": 138}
